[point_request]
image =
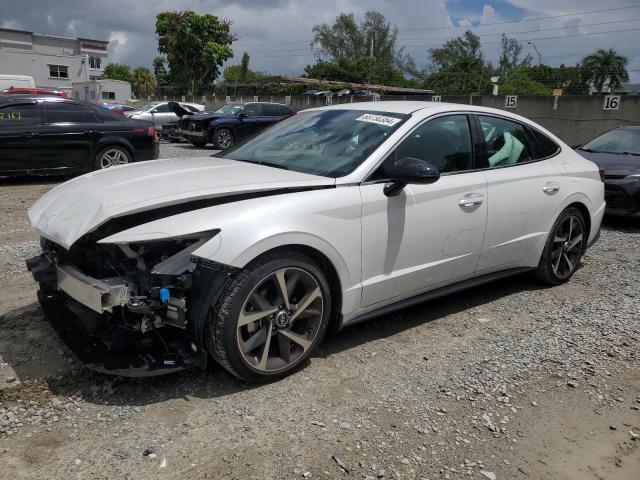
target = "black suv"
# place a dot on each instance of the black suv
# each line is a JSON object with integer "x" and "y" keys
{"x": 231, "y": 123}
{"x": 59, "y": 136}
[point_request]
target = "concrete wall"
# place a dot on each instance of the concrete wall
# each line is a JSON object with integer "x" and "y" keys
{"x": 575, "y": 119}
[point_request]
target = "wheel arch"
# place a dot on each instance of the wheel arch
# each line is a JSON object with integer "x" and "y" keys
{"x": 114, "y": 142}
{"x": 328, "y": 268}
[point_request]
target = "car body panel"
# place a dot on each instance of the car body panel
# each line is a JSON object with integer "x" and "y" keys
{"x": 75, "y": 208}
{"x": 160, "y": 118}
{"x": 622, "y": 181}
{"x": 421, "y": 236}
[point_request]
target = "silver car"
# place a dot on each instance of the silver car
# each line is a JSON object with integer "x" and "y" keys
{"x": 159, "y": 112}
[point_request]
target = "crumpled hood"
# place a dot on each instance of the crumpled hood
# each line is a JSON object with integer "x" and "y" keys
{"x": 79, "y": 206}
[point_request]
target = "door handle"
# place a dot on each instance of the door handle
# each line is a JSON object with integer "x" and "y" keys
{"x": 89, "y": 132}
{"x": 551, "y": 187}
{"x": 31, "y": 135}
{"x": 471, "y": 199}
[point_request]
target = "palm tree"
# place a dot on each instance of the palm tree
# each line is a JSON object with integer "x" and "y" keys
{"x": 603, "y": 65}
{"x": 143, "y": 82}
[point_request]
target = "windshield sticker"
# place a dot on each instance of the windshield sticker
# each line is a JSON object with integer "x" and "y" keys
{"x": 10, "y": 116}
{"x": 378, "y": 119}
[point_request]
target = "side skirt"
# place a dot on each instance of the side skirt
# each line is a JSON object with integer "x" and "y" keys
{"x": 433, "y": 294}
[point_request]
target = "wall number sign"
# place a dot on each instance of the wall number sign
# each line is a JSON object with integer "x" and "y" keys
{"x": 611, "y": 102}
{"x": 511, "y": 101}
{"x": 436, "y": 98}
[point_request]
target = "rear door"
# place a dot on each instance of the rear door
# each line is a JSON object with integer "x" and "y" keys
{"x": 427, "y": 235}
{"x": 523, "y": 187}
{"x": 19, "y": 136}
{"x": 69, "y": 133}
{"x": 272, "y": 114}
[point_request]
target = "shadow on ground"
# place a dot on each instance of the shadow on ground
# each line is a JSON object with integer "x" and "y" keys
{"x": 215, "y": 381}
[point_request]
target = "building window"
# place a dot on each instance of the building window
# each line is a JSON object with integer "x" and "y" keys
{"x": 95, "y": 62}
{"x": 58, "y": 71}
{"x": 108, "y": 95}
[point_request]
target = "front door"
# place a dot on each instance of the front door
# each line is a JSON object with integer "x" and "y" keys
{"x": 251, "y": 121}
{"x": 523, "y": 192}
{"x": 427, "y": 235}
{"x": 69, "y": 132}
{"x": 19, "y": 137}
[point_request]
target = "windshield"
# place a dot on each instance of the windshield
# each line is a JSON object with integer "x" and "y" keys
{"x": 619, "y": 140}
{"x": 230, "y": 109}
{"x": 331, "y": 143}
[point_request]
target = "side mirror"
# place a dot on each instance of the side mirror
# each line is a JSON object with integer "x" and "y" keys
{"x": 409, "y": 170}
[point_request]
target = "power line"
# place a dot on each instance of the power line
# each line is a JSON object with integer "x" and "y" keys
{"x": 301, "y": 51}
{"x": 470, "y": 27}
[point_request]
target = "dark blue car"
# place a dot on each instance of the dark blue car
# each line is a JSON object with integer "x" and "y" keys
{"x": 231, "y": 123}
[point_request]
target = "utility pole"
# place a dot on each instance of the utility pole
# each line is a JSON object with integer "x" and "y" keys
{"x": 371, "y": 60}
{"x": 537, "y": 51}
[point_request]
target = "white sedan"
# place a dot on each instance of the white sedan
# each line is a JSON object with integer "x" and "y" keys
{"x": 329, "y": 218}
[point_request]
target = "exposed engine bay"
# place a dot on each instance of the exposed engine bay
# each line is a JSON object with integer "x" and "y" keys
{"x": 130, "y": 309}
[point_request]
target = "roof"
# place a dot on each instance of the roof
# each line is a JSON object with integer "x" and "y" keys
{"x": 630, "y": 127}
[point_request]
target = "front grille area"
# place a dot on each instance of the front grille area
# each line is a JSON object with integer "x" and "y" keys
{"x": 616, "y": 198}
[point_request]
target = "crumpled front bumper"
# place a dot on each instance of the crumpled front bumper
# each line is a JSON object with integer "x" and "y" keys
{"x": 139, "y": 355}
{"x": 623, "y": 196}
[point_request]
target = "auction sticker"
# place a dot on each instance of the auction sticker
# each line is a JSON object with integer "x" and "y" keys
{"x": 378, "y": 119}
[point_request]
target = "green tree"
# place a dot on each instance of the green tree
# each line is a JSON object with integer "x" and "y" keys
{"x": 233, "y": 74}
{"x": 159, "y": 70}
{"x": 143, "y": 82}
{"x": 510, "y": 50}
{"x": 244, "y": 67}
{"x": 521, "y": 83}
{"x": 196, "y": 46}
{"x": 605, "y": 65}
{"x": 361, "y": 52}
{"x": 117, "y": 71}
{"x": 458, "y": 66}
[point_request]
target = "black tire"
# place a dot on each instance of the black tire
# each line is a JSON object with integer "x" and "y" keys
{"x": 570, "y": 260}
{"x": 222, "y": 323}
{"x": 99, "y": 162}
{"x": 199, "y": 142}
{"x": 223, "y": 138}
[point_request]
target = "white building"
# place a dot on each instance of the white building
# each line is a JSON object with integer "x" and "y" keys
{"x": 102, "y": 91}
{"x": 53, "y": 62}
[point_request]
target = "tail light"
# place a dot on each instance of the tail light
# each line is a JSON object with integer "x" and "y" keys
{"x": 601, "y": 172}
{"x": 153, "y": 133}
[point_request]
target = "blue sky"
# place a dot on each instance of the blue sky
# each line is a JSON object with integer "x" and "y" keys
{"x": 277, "y": 33}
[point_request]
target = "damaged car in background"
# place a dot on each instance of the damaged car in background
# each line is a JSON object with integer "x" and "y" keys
{"x": 329, "y": 218}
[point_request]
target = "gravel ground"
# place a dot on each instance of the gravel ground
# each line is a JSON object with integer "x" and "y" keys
{"x": 507, "y": 381}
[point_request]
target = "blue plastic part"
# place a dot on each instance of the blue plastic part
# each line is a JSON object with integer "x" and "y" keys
{"x": 164, "y": 295}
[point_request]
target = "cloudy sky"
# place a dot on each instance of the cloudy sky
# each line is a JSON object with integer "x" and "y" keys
{"x": 276, "y": 33}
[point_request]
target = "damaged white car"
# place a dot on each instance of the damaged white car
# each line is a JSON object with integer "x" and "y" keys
{"x": 329, "y": 218}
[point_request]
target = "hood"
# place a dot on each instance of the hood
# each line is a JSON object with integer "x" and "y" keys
{"x": 613, "y": 163}
{"x": 209, "y": 115}
{"x": 178, "y": 109}
{"x": 79, "y": 206}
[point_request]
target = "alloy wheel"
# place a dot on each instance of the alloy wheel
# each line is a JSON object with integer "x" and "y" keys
{"x": 280, "y": 319}
{"x": 113, "y": 157}
{"x": 567, "y": 246}
{"x": 225, "y": 139}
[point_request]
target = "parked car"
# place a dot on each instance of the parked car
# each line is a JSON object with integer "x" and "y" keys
{"x": 59, "y": 136}
{"x": 171, "y": 131}
{"x": 232, "y": 122}
{"x": 329, "y": 218}
{"x": 34, "y": 91}
{"x": 617, "y": 152}
{"x": 119, "y": 108}
{"x": 159, "y": 112}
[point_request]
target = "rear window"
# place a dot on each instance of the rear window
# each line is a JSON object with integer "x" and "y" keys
{"x": 62, "y": 112}
{"x": 545, "y": 146}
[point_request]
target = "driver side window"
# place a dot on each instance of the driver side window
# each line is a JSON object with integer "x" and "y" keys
{"x": 445, "y": 142}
